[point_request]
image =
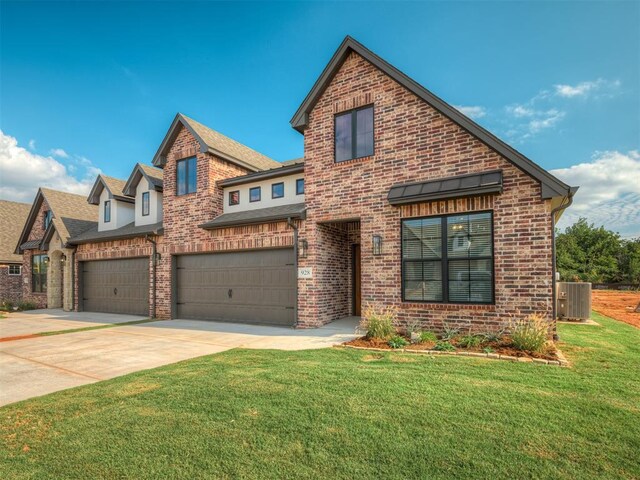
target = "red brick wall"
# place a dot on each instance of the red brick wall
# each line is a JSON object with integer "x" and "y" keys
{"x": 10, "y": 285}
{"x": 36, "y": 233}
{"x": 413, "y": 142}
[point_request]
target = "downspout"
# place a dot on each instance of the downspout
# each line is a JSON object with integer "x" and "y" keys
{"x": 560, "y": 207}
{"x": 295, "y": 265}
{"x": 154, "y": 250}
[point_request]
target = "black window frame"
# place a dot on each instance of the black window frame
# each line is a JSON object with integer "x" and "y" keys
{"x": 273, "y": 185}
{"x": 48, "y": 216}
{"x": 19, "y": 267}
{"x": 354, "y": 133}
{"x": 299, "y": 181}
{"x": 231, "y": 196}
{"x": 107, "y": 203}
{"x": 147, "y": 196}
{"x": 42, "y": 283}
{"x": 187, "y": 170}
{"x": 259, "y": 189}
{"x": 444, "y": 260}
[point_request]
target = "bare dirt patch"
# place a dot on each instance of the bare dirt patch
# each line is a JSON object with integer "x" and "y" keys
{"x": 617, "y": 304}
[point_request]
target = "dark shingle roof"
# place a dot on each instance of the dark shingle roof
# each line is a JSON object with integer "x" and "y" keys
{"x": 444, "y": 188}
{"x": 128, "y": 231}
{"x": 13, "y": 216}
{"x": 289, "y": 169}
{"x": 31, "y": 245}
{"x": 153, "y": 175}
{"x": 261, "y": 215}
{"x": 71, "y": 212}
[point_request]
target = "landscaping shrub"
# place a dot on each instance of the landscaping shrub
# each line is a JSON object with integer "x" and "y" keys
{"x": 426, "y": 337}
{"x": 397, "y": 342}
{"x": 470, "y": 341}
{"x": 377, "y": 322}
{"x": 6, "y": 305}
{"x": 26, "y": 306}
{"x": 449, "y": 332}
{"x": 492, "y": 337}
{"x": 530, "y": 334}
{"x": 444, "y": 346}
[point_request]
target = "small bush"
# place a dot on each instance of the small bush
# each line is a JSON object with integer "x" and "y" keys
{"x": 495, "y": 336}
{"x": 449, "y": 332}
{"x": 377, "y": 322}
{"x": 444, "y": 346}
{"x": 397, "y": 342}
{"x": 530, "y": 334}
{"x": 6, "y": 305}
{"x": 26, "y": 306}
{"x": 426, "y": 337}
{"x": 488, "y": 350}
{"x": 470, "y": 341}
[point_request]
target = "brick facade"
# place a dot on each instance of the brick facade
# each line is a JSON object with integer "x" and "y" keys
{"x": 36, "y": 233}
{"x": 10, "y": 285}
{"x": 413, "y": 142}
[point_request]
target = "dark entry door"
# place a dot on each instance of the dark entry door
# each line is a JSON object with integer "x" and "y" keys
{"x": 357, "y": 290}
{"x": 116, "y": 286}
{"x": 250, "y": 287}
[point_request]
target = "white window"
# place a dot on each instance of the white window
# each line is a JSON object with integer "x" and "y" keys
{"x": 15, "y": 269}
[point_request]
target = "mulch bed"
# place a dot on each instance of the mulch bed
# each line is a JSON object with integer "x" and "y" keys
{"x": 502, "y": 347}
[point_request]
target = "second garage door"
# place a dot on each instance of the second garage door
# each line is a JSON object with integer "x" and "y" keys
{"x": 116, "y": 286}
{"x": 252, "y": 287}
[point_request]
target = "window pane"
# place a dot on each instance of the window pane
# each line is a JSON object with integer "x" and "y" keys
{"x": 459, "y": 292}
{"x": 234, "y": 198}
{"x": 364, "y": 132}
{"x": 182, "y": 178}
{"x": 192, "y": 174}
{"x": 107, "y": 211}
{"x": 480, "y": 231}
{"x": 421, "y": 238}
{"x": 423, "y": 281}
{"x": 343, "y": 137}
{"x": 145, "y": 203}
{"x": 458, "y": 241}
{"x": 300, "y": 186}
{"x": 254, "y": 194}
{"x": 277, "y": 190}
{"x": 480, "y": 292}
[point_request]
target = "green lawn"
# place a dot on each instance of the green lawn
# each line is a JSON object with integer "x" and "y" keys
{"x": 345, "y": 414}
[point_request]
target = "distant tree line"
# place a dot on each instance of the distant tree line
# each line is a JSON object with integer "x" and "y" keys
{"x": 594, "y": 254}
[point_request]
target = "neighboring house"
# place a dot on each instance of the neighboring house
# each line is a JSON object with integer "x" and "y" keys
{"x": 400, "y": 200}
{"x": 12, "y": 218}
{"x": 47, "y": 258}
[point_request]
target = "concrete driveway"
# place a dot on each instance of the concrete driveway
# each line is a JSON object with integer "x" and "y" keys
{"x": 37, "y": 366}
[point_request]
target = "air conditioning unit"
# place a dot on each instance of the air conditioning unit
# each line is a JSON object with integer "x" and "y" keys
{"x": 574, "y": 300}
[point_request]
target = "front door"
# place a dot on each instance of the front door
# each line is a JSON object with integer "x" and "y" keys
{"x": 357, "y": 293}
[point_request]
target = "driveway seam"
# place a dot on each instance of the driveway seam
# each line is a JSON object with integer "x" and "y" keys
{"x": 55, "y": 367}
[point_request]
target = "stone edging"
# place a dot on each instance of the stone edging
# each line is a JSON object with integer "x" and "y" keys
{"x": 561, "y": 362}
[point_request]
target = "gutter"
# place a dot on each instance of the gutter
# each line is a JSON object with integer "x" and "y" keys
{"x": 562, "y": 206}
{"x": 154, "y": 252}
{"x": 295, "y": 266}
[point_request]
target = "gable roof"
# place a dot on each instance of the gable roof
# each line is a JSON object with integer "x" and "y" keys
{"x": 551, "y": 186}
{"x": 213, "y": 142}
{"x": 153, "y": 175}
{"x": 71, "y": 215}
{"x": 13, "y": 215}
{"x": 114, "y": 186}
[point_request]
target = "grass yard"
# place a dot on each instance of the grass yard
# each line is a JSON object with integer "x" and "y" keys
{"x": 345, "y": 414}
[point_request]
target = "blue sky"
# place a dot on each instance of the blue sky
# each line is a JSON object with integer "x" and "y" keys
{"x": 93, "y": 86}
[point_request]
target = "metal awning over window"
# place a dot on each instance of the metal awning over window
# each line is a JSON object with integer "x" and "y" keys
{"x": 447, "y": 188}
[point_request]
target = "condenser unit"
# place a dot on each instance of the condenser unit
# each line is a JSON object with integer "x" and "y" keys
{"x": 574, "y": 300}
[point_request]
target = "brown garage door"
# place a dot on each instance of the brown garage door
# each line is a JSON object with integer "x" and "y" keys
{"x": 251, "y": 287}
{"x": 116, "y": 286}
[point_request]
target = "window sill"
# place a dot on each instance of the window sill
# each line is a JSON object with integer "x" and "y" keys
{"x": 449, "y": 306}
{"x": 353, "y": 160}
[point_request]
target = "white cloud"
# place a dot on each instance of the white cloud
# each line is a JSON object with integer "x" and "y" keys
{"x": 527, "y": 121}
{"x": 609, "y": 192}
{"x": 474, "y": 111}
{"x": 32, "y": 144}
{"x": 585, "y": 89}
{"x": 58, "y": 152}
{"x": 22, "y": 172}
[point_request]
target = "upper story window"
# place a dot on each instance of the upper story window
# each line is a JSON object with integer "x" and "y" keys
{"x": 48, "y": 215}
{"x": 39, "y": 264}
{"x": 186, "y": 176}
{"x": 234, "y": 197}
{"x": 145, "y": 204}
{"x": 15, "y": 269}
{"x": 254, "y": 194}
{"x": 277, "y": 190}
{"x": 354, "y": 134}
{"x": 107, "y": 211}
{"x": 300, "y": 186}
{"x": 448, "y": 259}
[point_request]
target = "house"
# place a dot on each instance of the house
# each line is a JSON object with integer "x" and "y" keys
{"x": 12, "y": 217}
{"x": 400, "y": 200}
{"x": 47, "y": 258}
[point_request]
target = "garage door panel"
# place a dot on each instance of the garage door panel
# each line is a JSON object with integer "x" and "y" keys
{"x": 261, "y": 283}
{"x": 116, "y": 286}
